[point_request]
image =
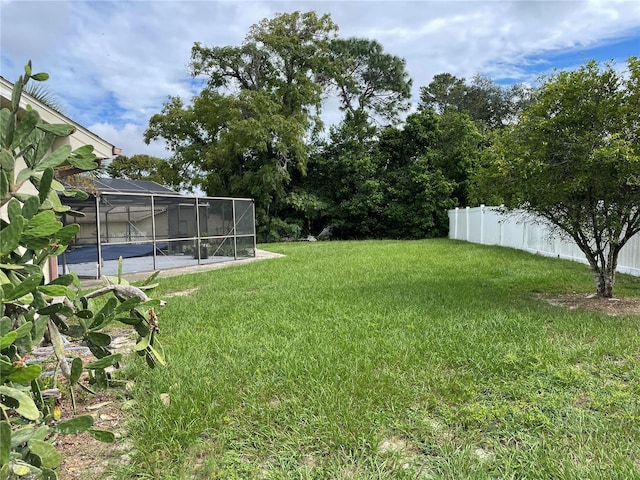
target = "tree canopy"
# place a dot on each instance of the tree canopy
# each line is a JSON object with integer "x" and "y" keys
{"x": 491, "y": 105}
{"x": 251, "y": 130}
{"x": 255, "y": 130}
{"x": 367, "y": 79}
{"x": 246, "y": 132}
{"x": 142, "y": 167}
{"x": 574, "y": 159}
{"x": 391, "y": 183}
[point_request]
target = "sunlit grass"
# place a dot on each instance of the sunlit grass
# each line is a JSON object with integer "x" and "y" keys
{"x": 385, "y": 360}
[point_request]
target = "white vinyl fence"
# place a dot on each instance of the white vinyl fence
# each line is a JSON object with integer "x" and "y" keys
{"x": 486, "y": 225}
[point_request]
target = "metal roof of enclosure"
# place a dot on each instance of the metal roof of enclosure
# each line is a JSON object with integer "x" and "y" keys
{"x": 154, "y": 228}
{"x": 119, "y": 185}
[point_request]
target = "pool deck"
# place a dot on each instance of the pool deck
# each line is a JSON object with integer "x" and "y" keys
{"x": 174, "y": 270}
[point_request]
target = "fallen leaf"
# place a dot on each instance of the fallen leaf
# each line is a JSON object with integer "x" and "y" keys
{"x": 98, "y": 405}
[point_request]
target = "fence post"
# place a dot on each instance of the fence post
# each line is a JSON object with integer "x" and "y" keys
{"x": 455, "y": 225}
{"x": 482, "y": 223}
{"x": 467, "y": 209}
{"x": 501, "y": 223}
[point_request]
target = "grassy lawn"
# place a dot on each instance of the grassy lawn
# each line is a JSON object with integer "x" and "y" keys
{"x": 389, "y": 360}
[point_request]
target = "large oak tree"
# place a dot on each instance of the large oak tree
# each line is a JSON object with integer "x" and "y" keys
{"x": 246, "y": 132}
{"x": 252, "y": 128}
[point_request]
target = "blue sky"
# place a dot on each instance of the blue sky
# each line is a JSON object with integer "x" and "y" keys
{"x": 114, "y": 63}
{"x": 616, "y": 49}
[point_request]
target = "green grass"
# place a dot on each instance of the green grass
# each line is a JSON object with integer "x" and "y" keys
{"x": 389, "y": 360}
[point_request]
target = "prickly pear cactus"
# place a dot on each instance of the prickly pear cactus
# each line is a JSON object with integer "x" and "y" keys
{"x": 30, "y": 233}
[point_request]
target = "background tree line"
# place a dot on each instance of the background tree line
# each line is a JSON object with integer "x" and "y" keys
{"x": 567, "y": 151}
{"x": 255, "y": 130}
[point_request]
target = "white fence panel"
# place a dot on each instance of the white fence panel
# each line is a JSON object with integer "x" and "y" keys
{"x": 493, "y": 230}
{"x": 486, "y": 225}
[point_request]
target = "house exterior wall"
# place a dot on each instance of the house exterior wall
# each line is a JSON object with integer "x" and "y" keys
{"x": 79, "y": 138}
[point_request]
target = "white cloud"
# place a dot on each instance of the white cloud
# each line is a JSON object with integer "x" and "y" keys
{"x": 113, "y": 64}
{"x": 129, "y": 138}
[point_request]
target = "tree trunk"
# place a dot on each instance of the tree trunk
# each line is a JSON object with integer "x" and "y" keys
{"x": 603, "y": 268}
{"x": 605, "y": 277}
{"x": 604, "y": 284}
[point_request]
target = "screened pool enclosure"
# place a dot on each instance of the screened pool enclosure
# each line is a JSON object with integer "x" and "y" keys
{"x": 154, "y": 228}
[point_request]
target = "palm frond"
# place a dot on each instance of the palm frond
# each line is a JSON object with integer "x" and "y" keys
{"x": 44, "y": 96}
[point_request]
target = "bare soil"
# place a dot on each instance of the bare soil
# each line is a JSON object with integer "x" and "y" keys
{"x": 84, "y": 457}
{"x": 610, "y": 306}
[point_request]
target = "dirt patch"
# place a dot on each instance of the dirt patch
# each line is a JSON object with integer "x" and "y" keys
{"x": 83, "y": 456}
{"x": 610, "y": 306}
{"x": 181, "y": 293}
{"x": 403, "y": 449}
